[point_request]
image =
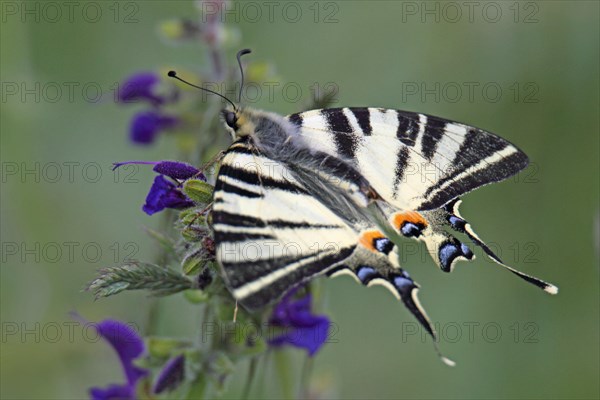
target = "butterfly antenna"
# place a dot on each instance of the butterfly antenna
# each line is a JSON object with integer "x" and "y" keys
{"x": 173, "y": 74}
{"x": 239, "y": 56}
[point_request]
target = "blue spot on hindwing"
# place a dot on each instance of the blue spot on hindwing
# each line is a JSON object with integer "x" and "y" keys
{"x": 403, "y": 284}
{"x": 447, "y": 253}
{"x": 366, "y": 273}
{"x": 457, "y": 223}
{"x": 409, "y": 229}
{"x": 466, "y": 251}
{"x": 383, "y": 245}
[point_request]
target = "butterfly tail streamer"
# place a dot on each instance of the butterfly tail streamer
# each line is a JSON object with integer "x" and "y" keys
{"x": 372, "y": 270}
{"x": 459, "y": 224}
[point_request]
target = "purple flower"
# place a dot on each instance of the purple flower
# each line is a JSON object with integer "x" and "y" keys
{"x": 173, "y": 169}
{"x": 171, "y": 375}
{"x": 147, "y": 124}
{"x": 165, "y": 194}
{"x": 140, "y": 86}
{"x": 303, "y": 329}
{"x": 129, "y": 346}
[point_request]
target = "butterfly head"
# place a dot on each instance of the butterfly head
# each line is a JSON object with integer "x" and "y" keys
{"x": 241, "y": 122}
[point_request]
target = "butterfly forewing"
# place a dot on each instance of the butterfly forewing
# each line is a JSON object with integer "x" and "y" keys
{"x": 271, "y": 233}
{"x": 414, "y": 161}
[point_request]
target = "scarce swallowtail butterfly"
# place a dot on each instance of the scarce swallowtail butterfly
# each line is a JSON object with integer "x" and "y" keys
{"x": 321, "y": 192}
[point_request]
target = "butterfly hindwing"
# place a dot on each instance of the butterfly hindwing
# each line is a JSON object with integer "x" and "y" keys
{"x": 274, "y": 232}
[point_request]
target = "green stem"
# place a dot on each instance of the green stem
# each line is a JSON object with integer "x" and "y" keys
{"x": 307, "y": 369}
{"x": 167, "y": 221}
{"x": 197, "y": 389}
{"x": 282, "y": 366}
{"x": 250, "y": 378}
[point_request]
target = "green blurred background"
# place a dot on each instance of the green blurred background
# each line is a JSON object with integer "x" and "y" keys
{"x": 542, "y": 55}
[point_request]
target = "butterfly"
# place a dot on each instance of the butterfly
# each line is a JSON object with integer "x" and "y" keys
{"x": 329, "y": 191}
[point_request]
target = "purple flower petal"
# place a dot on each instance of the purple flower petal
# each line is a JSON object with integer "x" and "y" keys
{"x": 177, "y": 170}
{"x": 173, "y": 169}
{"x": 113, "y": 392}
{"x": 127, "y": 343}
{"x": 164, "y": 194}
{"x": 303, "y": 329}
{"x": 171, "y": 375}
{"x": 309, "y": 338}
{"x": 146, "y": 125}
{"x": 140, "y": 86}
{"x": 128, "y": 346}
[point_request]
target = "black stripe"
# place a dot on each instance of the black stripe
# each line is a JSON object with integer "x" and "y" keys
{"x": 337, "y": 120}
{"x": 338, "y": 269}
{"x": 408, "y": 127}
{"x": 343, "y": 135}
{"x": 244, "y": 220}
{"x": 223, "y": 217}
{"x": 401, "y": 162}
{"x": 243, "y": 271}
{"x": 492, "y": 173}
{"x": 232, "y": 237}
{"x": 279, "y": 223}
{"x": 434, "y": 131}
{"x": 228, "y": 188}
{"x": 253, "y": 178}
{"x": 276, "y": 289}
{"x": 363, "y": 116}
{"x": 296, "y": 119}
{"x": 337, "y": 168}
{"x": 240, "y": 149}
{"x": 477, "y": 146}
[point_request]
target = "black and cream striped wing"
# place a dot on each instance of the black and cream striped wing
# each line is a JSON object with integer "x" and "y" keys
{"x": 414, "y": 161}
{"x": 271, "y": 233}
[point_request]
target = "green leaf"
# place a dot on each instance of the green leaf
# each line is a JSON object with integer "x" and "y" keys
{"x": 191, "y": 234}
{"x": 191, "y": 216}
{"x": 161, "y": 281}
{"x": 199, "y": 191}
{"x": 192, "y": 262}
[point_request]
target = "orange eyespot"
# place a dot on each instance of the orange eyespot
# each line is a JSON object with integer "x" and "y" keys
{"x": 368, "y": 238}
{"x": 398, "y": 219}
